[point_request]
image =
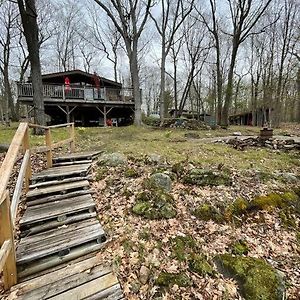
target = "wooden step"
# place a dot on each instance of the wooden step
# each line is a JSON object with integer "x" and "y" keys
{"x": 76, "y": 157}
{"x": 52, "y": 198}
{"x": 72, "y": 163}
{"x": 81, "y": 280}
{"x": 38, "y": 227}
{"x": 61, "y": 173}
{"x": 54, "y": 182}
{"x": 53, "y": 261}
{"x": 58, "y": 241}
{"x": 57, "y": 210}
{"x": 59, "y": 188}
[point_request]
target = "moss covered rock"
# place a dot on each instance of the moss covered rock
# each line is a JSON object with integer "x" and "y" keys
{"x": 183, "y": 247}
{"x": 101, "y": 173}
{"x": 199, "y": 264}
{"x": 166, "y": 279}
{"x": 275, "y": 200}
{"x": 131, "y": 173}
{"x": 178, "y": 169}
{"x": 162, "y": 181}
{"x": 201, "y": 177}
{"x": 239, "y": 247}
{"x": 256, "y": 278}
{"x": 208, "y": 212}
{"x": 112, "y": 159}
{"x": 154, "y": 204}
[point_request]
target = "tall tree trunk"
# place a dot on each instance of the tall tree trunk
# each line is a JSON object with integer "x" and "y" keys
{"x": 298, "y": 94}
{"x": 229, "y": 88}
{"x": 162, "y": 82}
{"x": 8, "y": 96}
{"x": 219, "y": 83}
{"x": 134, "y": 71}
{"x": 30, "y": 26}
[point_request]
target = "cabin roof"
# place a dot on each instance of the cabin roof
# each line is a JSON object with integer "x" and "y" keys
{"x": 77, "y": 76}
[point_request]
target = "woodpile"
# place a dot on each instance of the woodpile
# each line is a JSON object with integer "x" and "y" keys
{"x": 271, "y": 143}
{"x": 185, "y": 124}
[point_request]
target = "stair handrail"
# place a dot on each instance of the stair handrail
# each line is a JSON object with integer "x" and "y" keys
{"x": 8, "y": 211}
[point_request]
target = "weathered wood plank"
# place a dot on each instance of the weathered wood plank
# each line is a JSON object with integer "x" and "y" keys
{"x": 10, "y": 158}
{"x": 73, "y": 267}
{"x": 53, "y": 182}
{"x": 66, "y": 283}
{"x": 4, "y": 253}
{"x": 55, "y": 260}
{"x": 47, "y": 211}
{"x": 19, "y": 186}
{"x": 76, "y": 156}
{"x": 54, "y": 232}
{"x": 63, "y": 239}
{"x": 59, "y": 197}
{"x": 65, "y": 170}
{"x": 6, "y": 233}
{"x": 89, "y": 289}
{"x": 60, "y": 188}
{"x": 112, "y": 293}
{"x": 72, "y": 163}
{"x": 38, "y": 228}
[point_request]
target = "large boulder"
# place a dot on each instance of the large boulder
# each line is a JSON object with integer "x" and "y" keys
{"x": 161, "y": 180}
{"x": 112, "y": 159}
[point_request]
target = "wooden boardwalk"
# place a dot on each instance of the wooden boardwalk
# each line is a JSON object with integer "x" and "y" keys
{"x": 60, "y": 235}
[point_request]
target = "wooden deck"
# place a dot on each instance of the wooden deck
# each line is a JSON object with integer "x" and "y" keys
{"x": 60, "y": 235}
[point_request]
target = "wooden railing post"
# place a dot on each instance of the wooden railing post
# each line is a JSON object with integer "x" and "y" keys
{"x": 72, "y": 136}
{"x": 26, "y": 146}
{"x": 6, "y": 233}
{"x": 49, "y": 147}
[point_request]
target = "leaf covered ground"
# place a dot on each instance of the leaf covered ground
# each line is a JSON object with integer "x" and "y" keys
{"x": 176, "y": 258}
{"x": 143, "y": 251}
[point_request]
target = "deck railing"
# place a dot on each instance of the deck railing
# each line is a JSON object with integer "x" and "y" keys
{"x": 73, "y": 92}
{"x": 8, "y": 210}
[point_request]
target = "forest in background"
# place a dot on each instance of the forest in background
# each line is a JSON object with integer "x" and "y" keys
{"x": 217, "y": 57}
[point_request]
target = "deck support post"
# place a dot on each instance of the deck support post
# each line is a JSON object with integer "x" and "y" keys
{"x": 68, "y": 113}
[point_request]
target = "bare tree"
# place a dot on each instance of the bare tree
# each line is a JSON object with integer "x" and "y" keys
{"x": 29, "y": 20}
{"x": 105, "y": 39}
{"x": 284, "y": 39}
{"x": 212, "y": 23}
{"x": 196, "y": 51}
{"x": 8, "y": 24}
{"x": 173, "y": 14}
{"x": 67, "y": 38}
{"x": 130, "y": 17}
{"x": 244, "y": 16}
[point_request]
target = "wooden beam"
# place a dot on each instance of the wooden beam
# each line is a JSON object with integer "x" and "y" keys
{"x": 49, "y": 146}
{"x": 19, "y": 185}
{"x": 4, "y": 253}
{"x": 10, "y": 158}
{"x": 26, "y": 146}
{"x": 31, "y": 125}
{"x": 72, "y": 135}
{"x": 6, "y": 233}
{"x": 60, "y": 125}
{"x": 62, "y": 109}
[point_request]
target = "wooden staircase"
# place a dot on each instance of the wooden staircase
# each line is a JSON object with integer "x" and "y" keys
{"x": 60, "y": 233}
{"x": 60, "y": 226}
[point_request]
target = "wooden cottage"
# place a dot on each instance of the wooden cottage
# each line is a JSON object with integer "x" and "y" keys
{"x": 80, "y": 97}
